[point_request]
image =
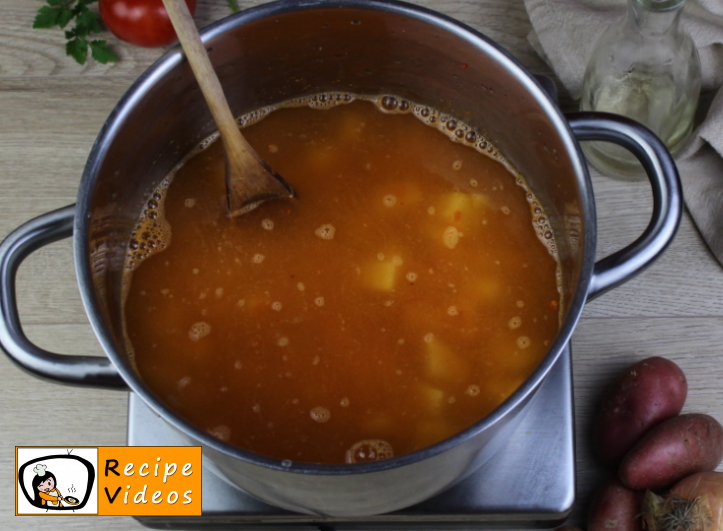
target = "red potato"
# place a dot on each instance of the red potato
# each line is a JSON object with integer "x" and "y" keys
{"x": 615, "y": 507}
{"x": 646, "y": 394}
{"x": 673, "y": 450}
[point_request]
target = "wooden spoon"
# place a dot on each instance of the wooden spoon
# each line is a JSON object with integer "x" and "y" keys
{"x": 249, "y": 179}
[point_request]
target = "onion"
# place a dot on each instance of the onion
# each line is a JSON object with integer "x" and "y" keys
{"x": 694, "y": 504}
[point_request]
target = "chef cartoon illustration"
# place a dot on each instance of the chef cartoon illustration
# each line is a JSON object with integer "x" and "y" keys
{"x": 53, "y": 483}
{"x": 45, "y": 488}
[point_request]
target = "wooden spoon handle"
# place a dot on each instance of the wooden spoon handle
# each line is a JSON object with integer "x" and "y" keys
{"x": 205, "y": 74}
{"x": 249, "y": 179}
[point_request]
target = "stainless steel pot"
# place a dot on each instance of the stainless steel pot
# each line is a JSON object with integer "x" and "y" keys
{"x": 288, "y": 49}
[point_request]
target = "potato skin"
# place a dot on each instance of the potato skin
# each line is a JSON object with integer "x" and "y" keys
{"x": 677, "y": 448}
{"x": 646, "y": 394}
{"x": 615, "y": 508}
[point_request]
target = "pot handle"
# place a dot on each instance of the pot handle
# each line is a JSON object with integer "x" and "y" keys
{"x": 667, "y": 195}
{"x": 85, "y": 371}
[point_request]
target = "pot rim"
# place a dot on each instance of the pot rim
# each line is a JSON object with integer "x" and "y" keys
{"x": 172, "y": 59}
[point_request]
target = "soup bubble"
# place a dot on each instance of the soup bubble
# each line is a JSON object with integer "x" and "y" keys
{"x": 472, "y": 390}
{"x": 389, "y": 200}
{"x": 267, "y": 223}
{"x": 451, "y": 237}
{"x": 369, "y": 450}
{"x": 199, "y": 330}
{"x": 389, "y": 103}
{"x": 320, "y": 414}
{"x": 221, "y": 431}
{"x": 515, "y": 322}
{"x": 523, "y": 341}
{"x": 326, "y": 231}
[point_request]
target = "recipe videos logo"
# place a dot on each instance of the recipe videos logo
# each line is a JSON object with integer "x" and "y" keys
{"x": 108, "y": 481}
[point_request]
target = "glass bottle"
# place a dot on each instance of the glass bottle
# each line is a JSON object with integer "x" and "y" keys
{"x": 646, "y": 68}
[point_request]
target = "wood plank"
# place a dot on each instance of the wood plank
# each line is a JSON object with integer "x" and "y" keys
{"x": 39, "y": 413}
{"x": 47, "y": 131}
{"x": 686, "y": 281}
{"x": 32, "y": 52}
{"x": 603, "y": 348}
{"x": 41, "y": 52}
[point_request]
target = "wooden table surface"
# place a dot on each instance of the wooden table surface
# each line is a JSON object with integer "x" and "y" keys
{"x": 51, "y": 110}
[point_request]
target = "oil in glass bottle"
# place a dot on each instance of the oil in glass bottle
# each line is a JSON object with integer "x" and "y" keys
{"x": 646, "y": 68}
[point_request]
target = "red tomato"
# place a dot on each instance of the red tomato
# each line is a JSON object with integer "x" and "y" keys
{"x": 140, "y": 22}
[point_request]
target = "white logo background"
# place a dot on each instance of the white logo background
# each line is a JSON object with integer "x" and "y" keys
{"x": 71, "y": 476}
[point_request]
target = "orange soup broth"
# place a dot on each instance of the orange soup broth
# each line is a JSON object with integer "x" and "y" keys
{"x": 401, "y": 297}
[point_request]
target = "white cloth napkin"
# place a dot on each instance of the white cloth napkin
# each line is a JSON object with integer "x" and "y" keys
{"x": 564, "y": 34}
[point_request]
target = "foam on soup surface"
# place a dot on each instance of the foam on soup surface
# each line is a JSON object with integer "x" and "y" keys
{"x": 407, "y": 292}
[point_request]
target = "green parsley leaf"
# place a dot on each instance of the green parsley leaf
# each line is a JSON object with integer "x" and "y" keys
{"x": 77, "y": 49}
{"x": 65, "y": 16}
{"x": 101, "y": 52}
{"x": 233, "y": 4}
{"x": 47, "y": 17}
{"x": 87, "y": 22}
